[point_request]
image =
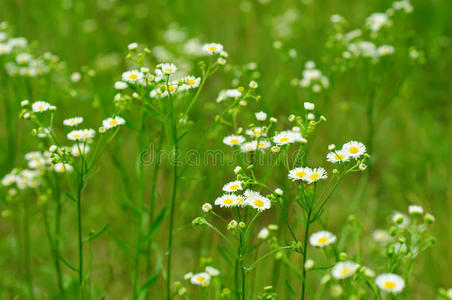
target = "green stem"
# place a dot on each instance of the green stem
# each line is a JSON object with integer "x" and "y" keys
{"x": 305, "y": 253}
{"x": 79, "y": 225}
{"x": 27, "y": 242}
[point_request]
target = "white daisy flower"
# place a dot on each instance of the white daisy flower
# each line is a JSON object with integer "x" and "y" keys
{"x": 206, "y": 207}
{"x": 227, "y": 200}
{"x": 212, "y": 271}
{"x": 401, "y": 220}
{"x": 251, "y": 193}
{"x": 232, "y": 140}
{"x": 37, "y": 163}
{"x": 8, "y": 179}
{"x": 233, "y": 186}
{"x": 62, "y": 167}
{"x": 40, "y": 106}
{"x": 255, "y": 132}
{"x": 263, "y": 233}
{"x": 354, "y": 149}
{"x": 309, "y": 106}
{"x": 81, "y": 135}
{"x": 132, "y": 76}
{"x": 415, "y": 210}
{"x": 73, "y": 121}
{"x": 231, "y": 93}
{"x": 264, "y": 144}
{"x": 261, "y": 116}
{"x": 390, "y": 282}
{"x": 77, "y": 149}
{"x": 120, "y": 85}
{"x": 5, "y": 48}
{"x": 33, "y": 155}
{"x": 202, "y": 279}
{"x": 381, "y": 236}
{"x": 315, "y": 175}
{"x": 113, "y": 122}
{"x": 287, "y": 137}
{"x": 337, "y": 156}
{"x": 188, "y": 275}
{"x": 212, "y": 48}
{"x": 166, "y": 69}
{"x": 344, "y": 269}
{"x": 385, "y": 50}
{"x": 298, "y": 173}
{"x": 23, "y": 58}
{"x": 248, "y": 147}
{"x": 322, "y": 239}
{"x": 376, "y": 21}
{"x": 258, "y": 202}
{"x": 191, "y": 82}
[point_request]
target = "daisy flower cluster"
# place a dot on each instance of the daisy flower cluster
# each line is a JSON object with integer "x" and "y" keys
{"x": 248, "y": 198}
{"x": 203, "y": 278}
{"x": 313, "y": 78}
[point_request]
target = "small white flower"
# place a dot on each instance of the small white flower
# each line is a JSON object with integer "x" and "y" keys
{"x": 232, "y": 140}
{"x": 381, "y": 236}
{"x": 120, "y": 85}
{"x": 212, "y": 48}
{"x": 309, "y": 264}
{"x": 263, "y": 233}
{"x": 315, "y": 175}
{"x": 376, "y": 21}
{"x": 24, "y": 103}
{"x": 400, "y": 219}
{"x": 40, "y": 106}
{"x": 201, "y": 279}
{"x": 344, "y": 269}
{"x": 390, "y": 282}
{"x": 113, "y": 122}
{"x": 354, "y": 149}
{"x": 191, "y": 82}
{"x": 258, "y": 202}
{"x": 385, "y": 50}
{"x": 298, "y": 173}
{"x": 81, "y": 135}
{"x": 331, "y": 147}
{"x": 132, "y": 46}
{"x": 227, "y": 200}
{"x": 309, "y": 106}
{"x": 311, "y": 117}
{"x": 279, "y": 191}
{"x": 261, "y": 116}
{"x": 337, "y": 156}
{"x": 233, "y": 186}
{"x": 76, "y": 76}
{"x": 288, "y": 137}
{"x": 206, "y": 207}
{"x": 369, "y": 272}
{"x": 166, "y": 69}
{"x": 73, "y": 121}
{"x": 362, "y": 167}
{"x": 253, "y": 84}
{"x": 62, "y": 167}
{"x": 8, "y": 179}
{"x": 132, "y": 76}
{"x": 415, "y": 210}
{"x": 77, "y": 149}
{"x": 322, "y": 238}
{"x": 212, "y": 271}
{"x": 237, "y": 169}
{"x": 188, "y": 275}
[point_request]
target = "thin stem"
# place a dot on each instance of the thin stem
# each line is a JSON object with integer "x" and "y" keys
{"x": 305, "y": 253}
{"x": 27, "y": 242}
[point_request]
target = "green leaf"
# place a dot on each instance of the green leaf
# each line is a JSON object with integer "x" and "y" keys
{"x": 156, "y": 224}
{"x": 149, "y": 283}
{"x": 65, "y": 262}
{"x": 292, "y": 292}
{"x": 94, "y": 236}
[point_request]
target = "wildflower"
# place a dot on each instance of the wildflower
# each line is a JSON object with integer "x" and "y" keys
{"x": 232, "y": 225}
{"x": 62, "y": 167}
{"x": 5, "y": 48}
{"x": 73, "y": 121}
{"x": 390, "y": 282}
{"x": 37, "y": 163}
{"x": 258, "y": 202}
{"x": 212, "y": 48}
{"x": 287, "y": 137}
{"x": 369, "y": 272}
{"x": 133, "y": 76}
{"x": 354, "y": 149}
{"x": 233, "y": 186}
{"x": 23, "y": 58}
{"x": 76, "y": 150}
{"x": 381, "y": 236}
{"x": 275, "y": 149}
{"x": 166, "y": 69}
{"x": 336, "y": 290}
{"x": 113, "y": 122}
{"x": 231, "y": 93}
{"x": 8, "y": 179}
{"x": 261, "y": 116}
{"x": 232, "y": 140}
{"x": 428, "y": 218}
{"x": 206, "y": 207}
{"x": 376, "y": 21}
{"x": 322, "y": 239}
{"x": 362, "y": 167}
{"x": 415, "y": 210}
{"x": 81, "y": 135}
{"x": 24, "y": 103}
{"x": 315, "y": 175}
{"x": 279, "y": 191}
{"x": 309, "y": 264}
{"x": 212, "y": 271}
{"x": 40, "y": 106}
{"x": 263, "y": 233}
{"x": 385, "y": 50}
{"x": 132, "y": 46}
{"x": 255, "y": 132}
{"x": 298, "y": 173}
{"x": 311, "y": 117}
{"x": 248, "y": 147}
{"x": 201, "y": 279}
{"x": 120, "y": 85}
{"x": 253, "y": 84}
{"x": 344, "y": 269}
{"x": 191, "y": 82}
{"x": 227, "y": 200}
{"x": 400, "y": 219}
{"x": 237, "y": 169}
{"x": 75, "y": 77}
{"x": 309, "y": 106}
{"x": 337, "y": 156}
{"x": 331, "y": 147}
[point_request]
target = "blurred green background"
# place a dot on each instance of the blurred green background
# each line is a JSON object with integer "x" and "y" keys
{"x": 411, "y": 149}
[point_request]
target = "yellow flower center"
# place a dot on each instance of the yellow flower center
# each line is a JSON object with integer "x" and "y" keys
{"x": 212, "y": 48}
{"x": 234, "y": 187}
{"x": 40, "y": 107}
{"x": 300, "y": 174}
{"x": 234, "y": 141}
{"x": 191, "y": 82}
{"x": 171, "y": 88}
{"x": 76, "y": 136}
{"x": 353, "y": 150}
{"x": 113, "y": 122}
{"x": 345, "y": 271}
{"x": 169, "y": 70}
{"x": 228, "y": 201}
{"x": 71, "y": 122}
{"x": 389, "y": 285}
{"x": 314, "y": 176}
{"x": 200, "y": 278}
{"x": 239, "y": 200}
{"x": 257, "y": 132}
{"x": 284, "y": 139}
{"x": 133, "y": 76}
{"x": 261, "y": 144}
{"x": 339, "y": 157}
{"x": 258, "y": 203}
{"x": 322, "y": 240}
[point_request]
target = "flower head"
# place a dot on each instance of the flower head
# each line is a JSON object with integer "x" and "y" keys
{"x": 40, "y": 106}
{"x": 322, "y": 239}
{"x": 233, "y": 186}
{"x": 337, "y": 156}
{"x": 73, "y": 121}
{"x": 315, "y": 175}
{"x": 258, "y": 202}
{"x": 202, "y": 279}
{"x": 298, "y": 173}
{"x": 212, "y": 48}
{"x": 232, "y": 140}
{"x": 344, "y": 269}
{"x": 354, "y": 149}
{"x": 113, "y": 122}
{"x": 132, "y": 76}
{"x": 390, "y": 282}
{"x": 227, "y": 200}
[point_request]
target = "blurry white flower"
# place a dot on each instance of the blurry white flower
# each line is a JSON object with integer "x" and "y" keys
{"x": 389, "y": 282}
{"x": 212, "y": 271}
{"x": 133, "y": 76}
{"x": 322, "y": 238}
{"x": 258, "y": 202}
{"x": 73, "y": 121}
{"x": 206, "y": 207}
{"x": 263, "y": 233}
{"x": 113, "y": 122}
{"x": 132, "y": 46}
{"x": 309, "y": 106}
{"x": 40, "y": 106}
{"x": 376, "y": 21}
{"x": 415, "y": 210}
{"x": 62, "y": 167}
{"x": 201, "y": 279}
{"x": 385, "y": 50}
{"x": 344, "y": 269}
{"x": 233, "y": 186}
{"x": 381, "y": 236}
{"x": 120, "y": 85}
{"x": 309, "y": 264}
{"x": 253, "y": 84}
{"x": 76, "y": 76}
{"x": 279, "y": 191}
{"x": 232, "y": 140}
{"x": 212, "y": 48}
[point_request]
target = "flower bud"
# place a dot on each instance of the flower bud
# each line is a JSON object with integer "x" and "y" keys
{"x": 309, "y": 106}
{"x": 279, "y": 191}
{"x": 206, "y": 207}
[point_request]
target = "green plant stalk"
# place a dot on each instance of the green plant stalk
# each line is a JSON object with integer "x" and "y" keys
{"x": 26, "y": 225}
{"x": 80, "y": 185}
{"x": 140, "y": 175}
{"x": 305, "y": 252}
{"x": 242, "y": 269}
{"x": 174, "y": 190}
{"x": 56, "y": 241}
